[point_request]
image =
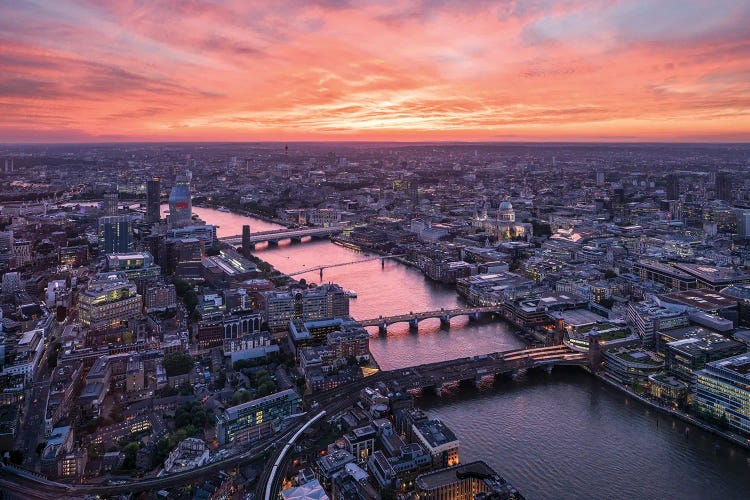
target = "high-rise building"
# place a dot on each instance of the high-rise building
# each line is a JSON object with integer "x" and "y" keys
{"x": 673, "y": 186}
{"x": 109, "y": 205}
{"x": 180, "y": 203}
{"x": 743, "y": 223}
{"x": 114, "y": 234}
{"x": 153, "y": 200}
{"x": 600, "y": 178}
{"x": 724, "y": 186}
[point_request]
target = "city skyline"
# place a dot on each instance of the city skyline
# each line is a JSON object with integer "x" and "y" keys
{"x": 392, "y": 71}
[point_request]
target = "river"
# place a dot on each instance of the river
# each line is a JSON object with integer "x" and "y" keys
{"x": 562, "y": 435}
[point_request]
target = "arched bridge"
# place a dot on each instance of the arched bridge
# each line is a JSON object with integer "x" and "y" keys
{"x": 277, "y": 235}
{"x": 413, "y": 318}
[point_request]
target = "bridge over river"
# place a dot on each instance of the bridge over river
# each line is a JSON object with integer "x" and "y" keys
{"x": 434, "y": 376}
{"x": 273, "y": 237}
{"x": 413, "y": 318}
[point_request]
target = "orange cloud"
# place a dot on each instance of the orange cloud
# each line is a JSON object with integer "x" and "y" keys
{"x": 359, "y": 70}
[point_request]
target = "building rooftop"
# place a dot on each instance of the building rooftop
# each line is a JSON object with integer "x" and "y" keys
{"x": 435, "y": 432}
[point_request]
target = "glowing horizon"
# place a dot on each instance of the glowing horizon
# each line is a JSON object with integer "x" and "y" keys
{"x": 353, "y": 70}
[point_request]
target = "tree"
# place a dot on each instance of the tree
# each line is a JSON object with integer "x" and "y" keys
{"x": 130, "y": 451}
{"x": 240, "y": 397}
{"x": 16, "y": 457}
{"x": 178, "y": 363}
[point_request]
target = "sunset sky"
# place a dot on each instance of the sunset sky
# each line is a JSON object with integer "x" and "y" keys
{"x": 103, "y": 70}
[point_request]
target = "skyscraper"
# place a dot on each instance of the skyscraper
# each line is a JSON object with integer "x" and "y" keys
{"x": 600, "y": 178}
{"x": 153, "y": 200}
{"x": 110, "y": 204}
{"x": 673, "y": 186}
{"x": 114, "y": 234}
{"x": 180, "y": 203}
{"x": 724, "y": 186}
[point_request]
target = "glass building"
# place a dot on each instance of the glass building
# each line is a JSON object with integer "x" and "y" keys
{"x": 722, "y": 390}
{"x": 180, "y": 204}
{"x": 114, "y": 234}
{"x": 250, "y": 421}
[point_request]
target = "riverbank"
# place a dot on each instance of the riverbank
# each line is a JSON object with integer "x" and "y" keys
{"x": 733, "y": 438}
{"x": 247, "y": 213}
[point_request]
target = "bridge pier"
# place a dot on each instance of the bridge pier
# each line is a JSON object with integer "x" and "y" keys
{"x": 382, "y": 263}
{"x": 296, "y": 239}
{"x": 413, "y": 324}
{"x": 273, "y": 243}
{"x": 321, "y": 273}
{"x": 474, "y": 316}
{"x": 445, "y": 322}
{"x": 548, "y": 368}
{"x": 383, "y": 329}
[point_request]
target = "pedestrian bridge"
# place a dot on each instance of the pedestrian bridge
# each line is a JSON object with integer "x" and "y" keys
{"x": 273, "y": 237}
{"x": 413, "y": 318}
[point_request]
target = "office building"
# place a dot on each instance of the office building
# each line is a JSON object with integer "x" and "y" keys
{"x": 722, "y": 390}
{"x": 438, "y": 440}
{"x": 108, "y": 302}
{"x": 180, "y": 202}
{"x": 673, "y": 186}
{"x": 153, "y": 200}
{"x": 160, "y": 297}
{"x": 724, "y": 183}
{"x": 743, "y": 223}
{"x": 251, "y": 421}
{"x": 321, "y": 302}
{"x": 109, "y": 205}
{"x": 114, "y": 234}
{"x": 686, "y": 356}
{"x": 138, "y": 267}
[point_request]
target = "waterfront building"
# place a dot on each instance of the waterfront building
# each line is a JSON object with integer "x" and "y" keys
{"x": 722, "y": 390}
{"x": 205, "y": 232}
{"x": 180, "y": 203}
{"x": 320, "y": 302}
{"x": 228, "y": 269}
{"x": 668, "y": 389}
{"x": 438, "y": 440}
{"x": 114, "y": 234}
{"x": 251, "y": 421}
{"x": 472, "y": 481}
{"x": 153, "y": 200}
{"x": 684, "y": 357}
{"x": 109, "y": 302}
{"x": 631, "y": 366}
